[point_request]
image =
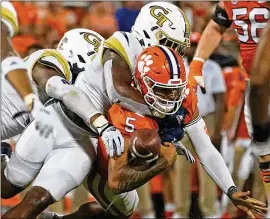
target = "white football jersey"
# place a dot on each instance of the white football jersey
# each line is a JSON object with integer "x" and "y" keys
{"x": 9, "y": 17}
{"x": 93, "y": 81}
{"x": 12, "y": 102}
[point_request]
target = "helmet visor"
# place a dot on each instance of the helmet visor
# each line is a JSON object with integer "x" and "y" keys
{"x": 180, "y": 47}
{"x": 165, "y": 98}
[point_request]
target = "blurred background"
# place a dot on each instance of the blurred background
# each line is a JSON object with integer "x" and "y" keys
{"x": 184, "y": 190}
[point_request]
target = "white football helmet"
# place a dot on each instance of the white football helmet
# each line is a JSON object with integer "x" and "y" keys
{"x": 79, "y": 47}
{"x": 162, "y": 23}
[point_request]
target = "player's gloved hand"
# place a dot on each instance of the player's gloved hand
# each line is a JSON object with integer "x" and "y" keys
{"x": 111, "y": 137}
{"x": 195, "y": 74}
{"x": 181, "y": 150}
{"x": 41, "y": 116}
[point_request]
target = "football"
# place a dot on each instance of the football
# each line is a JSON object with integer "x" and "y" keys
{"x": 144, "y": 147}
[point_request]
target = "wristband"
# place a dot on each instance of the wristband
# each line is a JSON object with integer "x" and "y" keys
{"x": 231, "y": 190}
{"x": 199, "y": 59}
{"x": 100, "y": 123}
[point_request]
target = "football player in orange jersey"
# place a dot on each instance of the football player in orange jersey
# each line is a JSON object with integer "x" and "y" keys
{"x": 259, "y": 96}
{"x": 161, "y": 78}
{"x": 248, "y": 19}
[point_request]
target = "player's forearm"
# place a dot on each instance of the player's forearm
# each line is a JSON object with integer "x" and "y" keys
{"x": 209, "y": 157}
{"x": 20, "y": 81}
{"x": 209, "y": 40}
{"x": 123, "y": 93}
{"x": 130, "y": 178}
{"x": 57, "y": 87}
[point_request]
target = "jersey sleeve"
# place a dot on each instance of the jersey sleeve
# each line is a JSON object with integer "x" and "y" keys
{"x": 120, "y": 42}
{"x": 127, "y": 122}
{"x": 9, "y": 18}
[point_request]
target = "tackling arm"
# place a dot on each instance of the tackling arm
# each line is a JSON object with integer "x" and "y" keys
{"x": 72, "y": 97}
{"x": 54, "y": 84}
{"x": 123, "y": 177}
{"x": 118, "y": 83}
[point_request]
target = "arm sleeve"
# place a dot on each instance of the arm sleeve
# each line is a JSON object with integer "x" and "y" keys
{"x": 75, "y": 99}
{"x": 209, "y": 157}
{"x": 115, "y": 97}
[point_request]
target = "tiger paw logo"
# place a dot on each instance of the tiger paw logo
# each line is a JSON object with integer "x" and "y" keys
{"x": 144, "y": 63}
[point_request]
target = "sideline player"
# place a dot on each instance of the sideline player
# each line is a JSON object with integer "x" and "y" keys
{"x": 248, "y": 19}
{"x": 14, "y": 70}
{"x": 259, "y": 96}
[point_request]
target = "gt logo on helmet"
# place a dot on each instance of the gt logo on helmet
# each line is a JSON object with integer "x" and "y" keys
{"x": 95, "y": 42}
{"x": 161, "y": 18}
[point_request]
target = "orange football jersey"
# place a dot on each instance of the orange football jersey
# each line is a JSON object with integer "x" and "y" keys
{"x": 248, "y": 19}
{"x": 126, "y": 122}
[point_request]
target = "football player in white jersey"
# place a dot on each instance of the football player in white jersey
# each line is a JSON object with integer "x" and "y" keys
{"x": 58, "y": 164}
{"x": 14, "y": 70}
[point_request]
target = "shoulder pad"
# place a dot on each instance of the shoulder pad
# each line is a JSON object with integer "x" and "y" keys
{"x": 126, "y": 45}
{"x": 51, "y": 58}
